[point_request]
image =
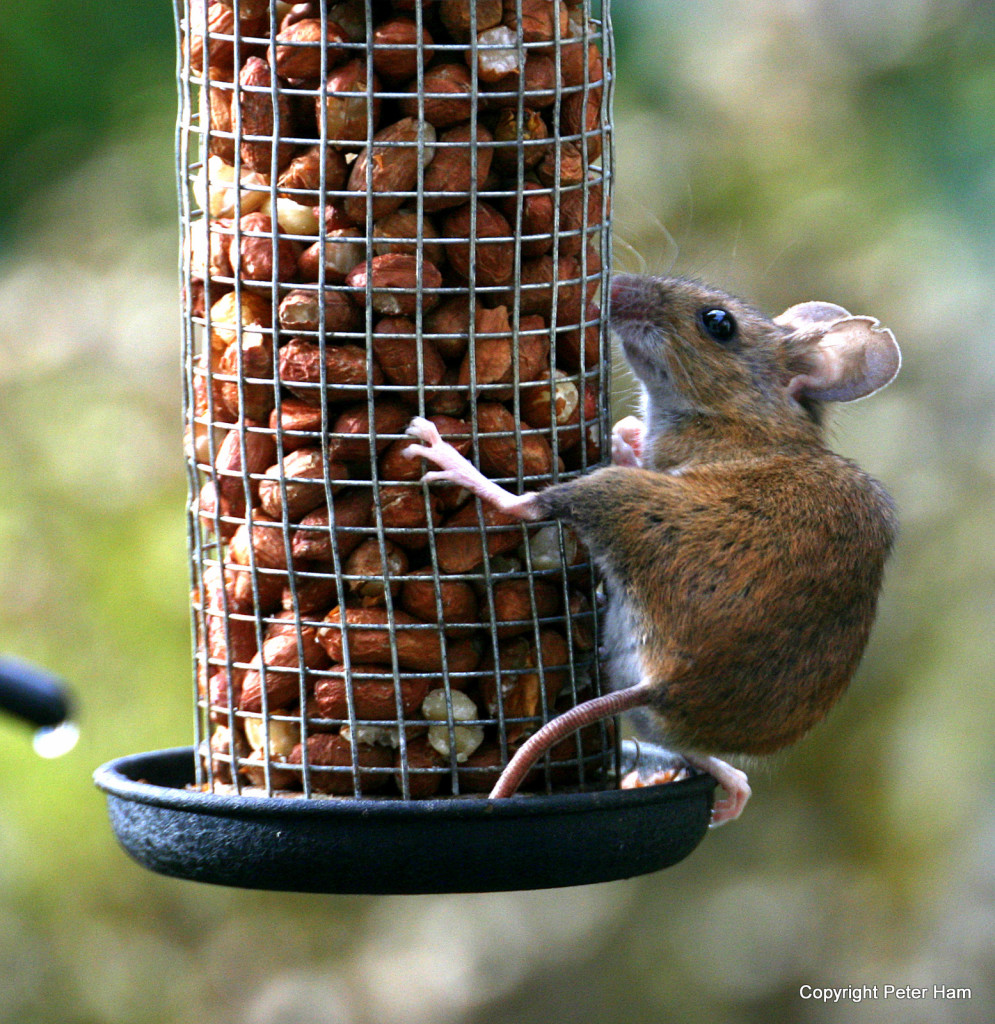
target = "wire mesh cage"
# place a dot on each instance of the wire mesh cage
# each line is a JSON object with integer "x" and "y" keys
{"x": 389, "y": 210}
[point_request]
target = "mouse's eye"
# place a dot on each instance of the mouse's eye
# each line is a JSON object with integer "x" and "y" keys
{"x": 719, "y": 323}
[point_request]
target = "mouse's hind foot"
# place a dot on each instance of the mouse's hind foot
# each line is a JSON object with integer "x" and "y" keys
{"x": 732, "y": 780}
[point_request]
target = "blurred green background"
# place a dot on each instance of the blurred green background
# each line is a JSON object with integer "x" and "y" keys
{"x": 784, "y": 149}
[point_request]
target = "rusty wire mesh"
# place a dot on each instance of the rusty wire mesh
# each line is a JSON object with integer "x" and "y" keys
{"x": 420, "y": 226}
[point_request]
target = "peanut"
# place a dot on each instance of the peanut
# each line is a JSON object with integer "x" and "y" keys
{"x": 331, "y": 751}
{"x": 395, "y": 48}
{"x": 279, "y": 660}
{"x": 513, "y": 604}
{"x": 459, "y": 20}
{"x": 396, "y": 289}
{"x": 253, "y": 359}
{"x": 417, "y": 644}
{"x": 252, "y": 253}
{"x": 447, "y": 97}
{"x": 312, "y": 540}
{"x": 499, "y": 455}
{"x": 396, "y": 348}
{"x": 367, "y": 564}
{"x": 404, "y": 514}
{"x": 459, "y": 546}
{"x": 258, "y": 117}
{"x": 382, "y": 173}
{"x": 349, "y": 440}
{"x": 301, "y": 180}
{"x": 302, "y": 476}
{"x": 347, "y": 104}
{"x": 494, "y": 258}
{"x": 458, "y": 601}
{"x": 449, "y": 177}
{"x": 298, "y": 52}
{"x": 345, "y": 371}
{"x": 372, "y": 699}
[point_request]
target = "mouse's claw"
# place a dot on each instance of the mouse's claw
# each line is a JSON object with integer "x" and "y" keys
{"x": 433, "y": 449}
{"x": 732, "y": 780}
{"x": 423, "y": 430}
{"x": 451, "y": 467}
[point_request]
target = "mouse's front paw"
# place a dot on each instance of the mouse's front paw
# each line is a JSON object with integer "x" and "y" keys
{"x": 627, "y": 442}
{"x": 451, "y": 468}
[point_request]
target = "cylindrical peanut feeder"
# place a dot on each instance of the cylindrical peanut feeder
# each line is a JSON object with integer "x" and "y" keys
{"x": 420, "y": 227}
{"x": 388, "y": 210}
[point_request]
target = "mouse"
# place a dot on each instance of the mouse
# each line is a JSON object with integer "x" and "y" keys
{"x": 741, "y": 557}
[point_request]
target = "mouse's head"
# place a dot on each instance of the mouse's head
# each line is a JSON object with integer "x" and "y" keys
{"x": 697, "y": 349}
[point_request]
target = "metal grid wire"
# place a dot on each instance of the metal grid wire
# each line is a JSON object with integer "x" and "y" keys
{"x": 341, "y": 287}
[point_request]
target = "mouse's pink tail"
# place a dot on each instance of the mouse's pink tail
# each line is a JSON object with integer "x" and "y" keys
{"x": 570, "y": 721}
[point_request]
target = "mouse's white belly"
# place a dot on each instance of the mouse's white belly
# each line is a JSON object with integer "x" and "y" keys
{"x": 622, "y": 663}
{"x": 620, "y": 644}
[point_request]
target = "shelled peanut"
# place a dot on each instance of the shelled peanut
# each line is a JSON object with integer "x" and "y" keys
{"x": 418, "y": 233}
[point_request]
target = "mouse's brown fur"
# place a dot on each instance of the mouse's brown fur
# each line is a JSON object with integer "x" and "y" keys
{"x": 752, "y": 581}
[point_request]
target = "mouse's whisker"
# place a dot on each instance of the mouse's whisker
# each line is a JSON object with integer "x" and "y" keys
{"x": 629, "y": 249}
{"x": 688, "y": 383}
{"x": 668, "y": 257}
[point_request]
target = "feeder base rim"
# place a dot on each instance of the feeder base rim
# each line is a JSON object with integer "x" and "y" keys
{"x": 345, "y": 845}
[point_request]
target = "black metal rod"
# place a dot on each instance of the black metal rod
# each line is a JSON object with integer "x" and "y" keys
{"x": 32, "y": 694}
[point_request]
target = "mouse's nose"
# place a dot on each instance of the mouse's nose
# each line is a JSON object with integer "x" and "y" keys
{"x": 620, "y": 284}
{"x": 633, "y": 297}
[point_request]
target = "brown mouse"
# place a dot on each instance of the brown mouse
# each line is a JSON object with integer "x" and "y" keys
{"x": 742, "y": 558}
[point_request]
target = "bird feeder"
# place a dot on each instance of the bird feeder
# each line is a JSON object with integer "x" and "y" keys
{"x": 390, "y": 210}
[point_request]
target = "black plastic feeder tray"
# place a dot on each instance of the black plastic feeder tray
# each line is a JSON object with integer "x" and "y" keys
{"x": 385, "y": 846}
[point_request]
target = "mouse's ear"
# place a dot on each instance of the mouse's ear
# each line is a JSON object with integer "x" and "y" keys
{"x": 847, "y": 357}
